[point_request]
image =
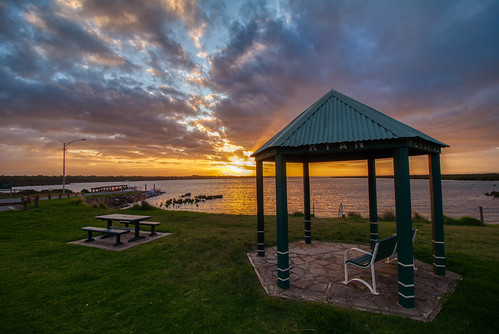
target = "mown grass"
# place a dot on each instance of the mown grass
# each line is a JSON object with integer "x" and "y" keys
{"x": 198, "y": 280}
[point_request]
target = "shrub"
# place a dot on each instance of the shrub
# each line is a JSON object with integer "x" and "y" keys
{"x": 419, "y": 217}
{"x": 463, "y": 221}
{"x": 143, "y": 206}
{"x": 388, "y": 215}
{"x": 355, "y": 215}
{"x": 297, "y": 214}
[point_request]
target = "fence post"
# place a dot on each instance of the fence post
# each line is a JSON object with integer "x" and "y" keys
{"x": 37, "y": 198}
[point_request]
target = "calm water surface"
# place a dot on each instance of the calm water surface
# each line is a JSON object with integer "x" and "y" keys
{"x": 461, "y": 198}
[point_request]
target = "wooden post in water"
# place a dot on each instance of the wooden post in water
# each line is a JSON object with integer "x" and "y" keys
{"x": 481, "y": 214}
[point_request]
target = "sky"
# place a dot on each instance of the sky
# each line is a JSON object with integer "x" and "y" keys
{"x": 184, "y": 87}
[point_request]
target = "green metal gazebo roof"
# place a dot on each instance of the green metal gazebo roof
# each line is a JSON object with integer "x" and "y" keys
{"x": 336, "y": 118}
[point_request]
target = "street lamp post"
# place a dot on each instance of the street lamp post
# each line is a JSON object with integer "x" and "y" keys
{"x": 64, "y": 163}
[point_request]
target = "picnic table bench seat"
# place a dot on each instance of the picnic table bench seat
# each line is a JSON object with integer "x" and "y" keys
{"x": 146, "y": 223}
{"x": 117, "y": 232}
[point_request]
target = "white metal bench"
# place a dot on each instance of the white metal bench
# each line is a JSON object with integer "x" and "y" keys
{"x": 383, "y": 249}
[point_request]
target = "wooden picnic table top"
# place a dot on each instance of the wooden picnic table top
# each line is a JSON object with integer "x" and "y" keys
{"x": 121, "y": 217}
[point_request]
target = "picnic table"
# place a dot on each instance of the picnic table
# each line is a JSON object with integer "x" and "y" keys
{"x": 131, "y": 219}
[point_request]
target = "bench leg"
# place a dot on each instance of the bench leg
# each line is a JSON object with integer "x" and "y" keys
{"x": 153, "y": 231}
{"x": 118, "y": 241}
{"x": 89, "y": 237}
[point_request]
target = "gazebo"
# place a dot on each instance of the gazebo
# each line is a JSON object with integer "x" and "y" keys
{"x": 339, "y": 128}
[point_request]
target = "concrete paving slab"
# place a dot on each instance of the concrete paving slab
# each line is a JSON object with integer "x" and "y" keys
{"x": 317, "y": 277}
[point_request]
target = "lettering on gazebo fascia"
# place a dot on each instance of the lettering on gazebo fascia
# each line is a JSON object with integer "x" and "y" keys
{"x": 418, "y": 145}
{"x": 266, "y": 154}
{"x": 357, "y": 145}
{"x": 423, "y": 145}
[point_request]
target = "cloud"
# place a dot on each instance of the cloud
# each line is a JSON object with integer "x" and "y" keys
{"x": 211, "y": 80}
{"x": 395, "y": 57}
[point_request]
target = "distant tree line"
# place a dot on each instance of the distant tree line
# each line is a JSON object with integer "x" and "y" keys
{"x": 44, "y": 180}
{"x": 459, "y": 177}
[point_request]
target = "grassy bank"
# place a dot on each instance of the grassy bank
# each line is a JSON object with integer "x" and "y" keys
{"x": 199, "y": 280}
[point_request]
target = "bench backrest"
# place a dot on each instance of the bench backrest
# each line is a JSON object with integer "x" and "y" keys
{"x": 386, "y": 248}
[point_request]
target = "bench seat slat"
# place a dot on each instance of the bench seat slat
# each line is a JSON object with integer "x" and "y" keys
{"x": 361, "y": 261}
{"x": 104, "y": 230}
{"x": 147, "y": 223}
{"x": 118, "y": 233}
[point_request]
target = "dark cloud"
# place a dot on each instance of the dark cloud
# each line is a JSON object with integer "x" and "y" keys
{"x": 402, "y": 58}
{"x": 145, "y": 20}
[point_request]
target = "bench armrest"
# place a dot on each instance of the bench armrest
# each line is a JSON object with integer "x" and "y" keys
{"x": 358, "y": 250}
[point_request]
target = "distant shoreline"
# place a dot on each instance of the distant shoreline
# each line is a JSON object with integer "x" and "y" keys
{"x": 42, "y": 180}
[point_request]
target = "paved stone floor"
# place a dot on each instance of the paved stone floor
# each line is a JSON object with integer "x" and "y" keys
{"x": 108, "y": 243}
{"x": 317, "y": 274}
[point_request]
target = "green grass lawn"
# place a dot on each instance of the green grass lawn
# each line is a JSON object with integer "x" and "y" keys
{"x": 199, "y": 280}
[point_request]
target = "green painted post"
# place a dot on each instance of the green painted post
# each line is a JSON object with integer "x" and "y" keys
{"x": 307, "y": 220}
{"x": 259, "y": 209}
{"x": 404, "y": 228}
{"x": 373, "y": 201}
{"x": 282, "y": 223}
{"x": 437, "y": 215}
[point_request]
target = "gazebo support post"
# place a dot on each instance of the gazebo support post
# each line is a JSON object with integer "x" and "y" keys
{"x": 306, "y": 200}
{"x": 259, "y": 209}
{"x": 282, "y": 223}
{"x": 373, "y": 201}
{"x": 437, "y": 215}
{"x": 404, "y": 227}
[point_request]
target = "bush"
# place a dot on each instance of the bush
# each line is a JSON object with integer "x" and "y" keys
{"x": 297, "y": 214}
{"x": 143, "y": 206}
{"x": 463, "y": 221}
{"x": 416, "y": 216}
{"x": 354, "y": 215}
{"x": 388, "y": 215}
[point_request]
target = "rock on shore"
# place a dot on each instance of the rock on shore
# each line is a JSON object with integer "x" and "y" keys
{"x": 117, "y": 202}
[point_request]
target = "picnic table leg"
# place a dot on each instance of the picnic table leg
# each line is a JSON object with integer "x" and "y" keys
{"x": 89, "y": 237}
{"x": 137, "y": 236}
{"x": 109, "y": 225}
{"x": 118, "y": 242}
{"x": 153, "y": 231}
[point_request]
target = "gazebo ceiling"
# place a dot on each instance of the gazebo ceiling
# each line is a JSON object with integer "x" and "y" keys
{"x": 337, "y": 127}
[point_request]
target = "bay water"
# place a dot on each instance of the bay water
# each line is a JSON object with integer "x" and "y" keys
{"x": 460, "y": 198}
